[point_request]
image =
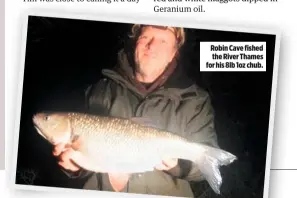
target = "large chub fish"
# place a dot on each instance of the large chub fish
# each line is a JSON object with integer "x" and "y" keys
{"x": 125, "y": 146}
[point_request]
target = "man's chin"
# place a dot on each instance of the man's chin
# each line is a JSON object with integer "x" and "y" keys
{"x": 144, "y": 65}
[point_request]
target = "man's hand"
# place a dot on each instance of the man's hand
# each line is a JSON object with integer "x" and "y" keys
{"x": 167, "y": 164}
{"x": 65, "y": 155}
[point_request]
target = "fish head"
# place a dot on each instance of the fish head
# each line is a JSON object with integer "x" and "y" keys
{"x": 54, "y": 127}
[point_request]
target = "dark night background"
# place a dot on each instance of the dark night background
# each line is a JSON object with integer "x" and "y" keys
{"x": 64, "y": 56}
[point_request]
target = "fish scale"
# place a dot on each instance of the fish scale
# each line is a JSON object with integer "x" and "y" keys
{"x": 126, "y": 146}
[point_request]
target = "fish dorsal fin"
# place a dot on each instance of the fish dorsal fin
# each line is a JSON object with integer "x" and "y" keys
{"x": 146, "y": 122}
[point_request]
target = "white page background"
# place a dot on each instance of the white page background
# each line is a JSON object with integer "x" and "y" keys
{"x": 279, "y": 15}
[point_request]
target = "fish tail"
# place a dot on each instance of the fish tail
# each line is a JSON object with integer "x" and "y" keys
{"x": 209, "y": 163}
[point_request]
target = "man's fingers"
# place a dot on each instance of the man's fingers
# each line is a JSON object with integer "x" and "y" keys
{"x": 58, "y": 149}
{"x": 66, "y": 155}
{"x": 170, "y": 163}
{"x": 118, "y": 181}
{"x": 66, "y": 162}
{"x": 167, "y": 164}
{"x": 68, "y": 166}
{"x": 161, "y": 167}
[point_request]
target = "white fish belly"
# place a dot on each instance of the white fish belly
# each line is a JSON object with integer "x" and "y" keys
{"x": 121, "y": 157}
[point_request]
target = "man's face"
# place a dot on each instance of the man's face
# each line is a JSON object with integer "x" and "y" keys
{"x": 155, "y": 48}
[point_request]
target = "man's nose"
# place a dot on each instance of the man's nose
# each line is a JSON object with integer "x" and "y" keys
{"x": 152, "y": 43}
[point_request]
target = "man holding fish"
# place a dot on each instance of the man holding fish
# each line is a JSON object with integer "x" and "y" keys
{"x": 148, "y": 82}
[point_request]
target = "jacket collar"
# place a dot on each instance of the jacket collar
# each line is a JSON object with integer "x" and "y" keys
{"x": 173, "y": 77}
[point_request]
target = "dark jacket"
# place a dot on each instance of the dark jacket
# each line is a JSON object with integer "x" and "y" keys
{"x": 178, "y": 106}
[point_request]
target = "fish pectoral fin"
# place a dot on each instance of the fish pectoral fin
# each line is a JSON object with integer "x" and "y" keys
{"x": 76, "y": 144}
{"x": 118, "y": 181}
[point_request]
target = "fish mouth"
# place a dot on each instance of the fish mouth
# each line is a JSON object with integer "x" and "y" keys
{"x": 35, "y": 119}
{"x": 35, "y": 124}
{"x": 39, "y": 130}
{"x": 46, "y": 138}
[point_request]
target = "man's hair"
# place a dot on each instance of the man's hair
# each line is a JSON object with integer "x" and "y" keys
{"x": 178, "y": 32}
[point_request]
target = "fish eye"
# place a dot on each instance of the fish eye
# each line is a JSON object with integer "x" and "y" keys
{"x": 47, "y": 117}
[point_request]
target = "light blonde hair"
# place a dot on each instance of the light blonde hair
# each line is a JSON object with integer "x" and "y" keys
{"x": 179, "y": 33}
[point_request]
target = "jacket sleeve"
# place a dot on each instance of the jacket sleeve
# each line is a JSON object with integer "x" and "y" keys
{"x": 98, "y": 97}
{"x": 78, "y": 174}
{"x": 199, "y": 128}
